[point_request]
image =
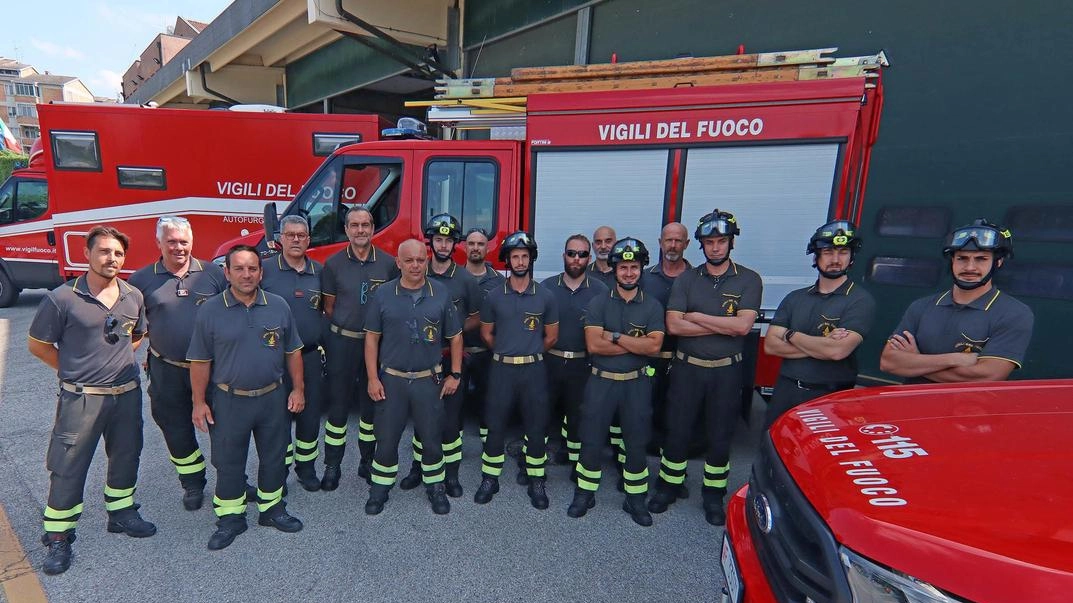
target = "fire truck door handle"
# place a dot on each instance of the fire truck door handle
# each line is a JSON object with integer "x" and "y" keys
{"x": 51, "y": 238}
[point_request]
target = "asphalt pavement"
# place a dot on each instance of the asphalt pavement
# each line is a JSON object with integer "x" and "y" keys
{"x": 504, "y": 551}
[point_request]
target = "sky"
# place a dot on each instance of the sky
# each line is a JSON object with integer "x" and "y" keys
{"x": 93, "y": 40}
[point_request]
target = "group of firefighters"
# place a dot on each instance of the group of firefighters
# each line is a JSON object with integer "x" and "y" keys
{"x": 619, "y": 351}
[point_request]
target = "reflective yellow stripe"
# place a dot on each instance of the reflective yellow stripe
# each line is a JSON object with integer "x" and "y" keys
{"x": 262, "y": 495}
{"x": 266, "y": 500}
{"x": 672, "y": 479}
{"x": 51, "y": 513}
{"x": 303, "y": 445}
{"x": 117, "y": 492}
{"x": 195, "y": 455}
{"x": 333, "y": 441}
{"x": 382, "y": 480}
{"x": 615, "y": 430}
{"x": 234, "y": 506}
{"x": 416, "y": 443}
{"x": 635, "y": 476}
{"x": 365, "y": 426}
{"x": 365, "y": 437}
{"x": 713, "y": 469}
{"x": 585, "y": 484}
{"x": 621, "y": 458}
{"x": 122, "y": 503}
{"x": 434, "y": 479}
{"x": 304, "y": 457}
{"x": 432, "y": 467}
{"x": 365, "y": 432}
{"x": 59, "y": 526}
{"x": 715, "y": 483}
{"x": 454, "y": 457}
{"x": 573, "y": 456}
{"x": 673, "y": 465}
{"x": 572, "y": 445}
{"x": 536, "y": 460}
{"x": 337, "y": 430}
{"x": 589, "y": 474}
{"x": 492, "y": 459}
{"x": 188, "y": 469}
{"x": 635, "y": 488}
{"x": 392, "y": 469}
{"x": 334, "y": 435}
{"x": 452, "y": 451}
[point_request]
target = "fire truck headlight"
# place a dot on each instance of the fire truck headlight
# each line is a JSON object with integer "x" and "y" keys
{"x": 873, "y": 583}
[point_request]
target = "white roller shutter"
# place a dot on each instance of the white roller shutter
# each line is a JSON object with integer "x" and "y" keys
{"x": 780, "y": 195}
{"x": 576, "y": 192}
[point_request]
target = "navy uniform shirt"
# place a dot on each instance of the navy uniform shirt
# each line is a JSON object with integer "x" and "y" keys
{"x": 414, "y": 326}
{"x": 352, "y": 283}
{"x": 246, "y": 344}
{"x": 637, "y": 318}
{"x": 573, "y": 305}
{"x": 519, "y": 318}
{"x": 462, "y": 287}
{"x": 993, "y": 325}
{"x": 301, "y": 291}
{"x": 171, "y": 302}
{"x": 813, "y": 313}
{"x": 736, "y": 290}
{"x": 70, "y": 317}
{"x": 485, "y": 283}
{"x": 607, "y": 278}
{"x": 657, "y": 284}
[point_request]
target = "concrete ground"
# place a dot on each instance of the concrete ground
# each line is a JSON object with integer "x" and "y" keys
{"x": 500, "y": 552}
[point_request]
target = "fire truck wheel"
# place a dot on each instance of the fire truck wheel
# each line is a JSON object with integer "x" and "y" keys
{"x": 8, "y": 293}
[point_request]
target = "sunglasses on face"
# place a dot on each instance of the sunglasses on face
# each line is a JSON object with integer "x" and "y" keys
{"x": 110, "y": 323}
{"x": 573, "y": 253}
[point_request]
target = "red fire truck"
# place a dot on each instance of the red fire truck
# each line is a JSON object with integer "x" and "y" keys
{"x": 126, "y": 166}
{"x": 784, "y": 153}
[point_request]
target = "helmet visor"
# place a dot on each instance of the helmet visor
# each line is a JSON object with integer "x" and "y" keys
{"x": 718, "y": 227}
{"x": 985, "y": 237}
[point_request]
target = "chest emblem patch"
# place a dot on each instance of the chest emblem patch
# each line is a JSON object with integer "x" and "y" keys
{"x": 270, "y": 338}
{"x": 531, "y": 321}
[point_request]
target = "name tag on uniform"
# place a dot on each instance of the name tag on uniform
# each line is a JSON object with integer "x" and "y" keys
{"x": 182, "y": 292}
{"x": 299, "y": 293}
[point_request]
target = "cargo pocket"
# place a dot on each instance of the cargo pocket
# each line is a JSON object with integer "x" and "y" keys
{"x": 59, "y": 448}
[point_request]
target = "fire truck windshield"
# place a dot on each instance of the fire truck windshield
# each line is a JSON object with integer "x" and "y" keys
{"x": 346, "y": 182}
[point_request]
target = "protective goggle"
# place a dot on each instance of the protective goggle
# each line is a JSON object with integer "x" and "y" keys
{"x": 719, "y": 227}
{"x": 985, "y": 237}
{"x": 627, "y": 251}
{"x": 838, "y": 232}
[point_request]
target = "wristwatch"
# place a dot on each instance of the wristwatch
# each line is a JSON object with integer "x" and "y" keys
{"x": 788, "y": 334}
{"x": 615, "y": 337}
{"x": 455, "y": 374}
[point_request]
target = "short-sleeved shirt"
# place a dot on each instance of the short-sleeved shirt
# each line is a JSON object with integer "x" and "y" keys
{"x": 519, "y": 318}
{"x": 486, "y": 282}
{"x": 993, "y": 325}
{"x": 246, "y": 344}
{"x": 78, "y": 323}
{"x": 656, "y": 283}
{"x": 637, "y": 318}
{"x": 461, "y": 286}
{"x": 301, "y": 291}
{"x": 607, "y": 278}
{"x": 573, "y": 305}
{"x": 352, "y": 282}
{"x": 171, "y": 302}
{"x": 695, "y": 290}
{"x": 414, "y": 326}
{"x": 813, "y": 313}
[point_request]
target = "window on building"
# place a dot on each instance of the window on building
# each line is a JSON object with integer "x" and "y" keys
{"x": 922, "y": 222}
{"x": 466, "y": 190}
{"x": 30, "y": 132}
{"x": 1045, "y": 223}
{"x": 12, "y": 111}
{"x": 912, "y": 272}
{"x": 25, "y": 89}
{"x": 26, "y": 110}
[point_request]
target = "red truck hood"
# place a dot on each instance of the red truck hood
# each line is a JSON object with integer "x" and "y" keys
{"x": 973, "y": 492}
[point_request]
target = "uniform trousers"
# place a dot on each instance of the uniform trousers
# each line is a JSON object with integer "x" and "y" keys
{"x": 303, "y": 451}
{"x": 266, "y": 418}
{"x": 347, "y": 385}
{"x": 715, "y": 393}
{"x": 405, "y": 398}
{"x": 528, "y": 384}
{"x": 475, "y": 368}
{"x": 631, "y": 401}
{"x": 171, "y": 404}
{"x": 451, "y": 431}
{"x": 81, "y": 421}
{"x": 566, "y": 392}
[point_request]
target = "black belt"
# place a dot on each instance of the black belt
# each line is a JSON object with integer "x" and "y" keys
{"x": 310, "y": 348}
{"x": 184, "y": 365}
{"x": 827, "y": 387}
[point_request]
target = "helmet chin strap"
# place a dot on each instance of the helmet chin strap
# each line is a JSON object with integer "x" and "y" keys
{"x": 519, "y": 273}
{"x": 833, "y": 274}
{"x": 725, "y": 258}
{"x": 627, "y": 287}
{"x": 967, "y": 286}
{"x": 441, "y": 257}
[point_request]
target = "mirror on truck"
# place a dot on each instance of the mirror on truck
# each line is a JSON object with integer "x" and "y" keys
{"x": 271, "y": 222}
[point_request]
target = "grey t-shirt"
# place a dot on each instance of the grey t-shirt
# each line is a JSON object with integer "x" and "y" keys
{"x": 485, "y": 283}
{"x": 695, "y": 290}
{"x": 79, "y": 324}
{"x": 573, "y": 305}
{"x": 414, "y": 324}
{"x": 637, "y": 318}
{"x": 301, "y": 291}
{"x": 519, "y": 318}
{"x": 352, "y": 283}
{"x": 171, "y": 302}
{"x": 246, "y": 344}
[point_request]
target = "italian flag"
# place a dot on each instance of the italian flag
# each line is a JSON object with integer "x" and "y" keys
{"x": 9, "y": 140}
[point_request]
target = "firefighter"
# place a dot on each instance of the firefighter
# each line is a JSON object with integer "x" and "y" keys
{"x": 816, "y": 330}
{"x": 173, "y": 287}
{"x": 603, "y": 239}
{"x": 518, "y": 323}
{"x": 243, "y": 339}
{"x": 349, "y": 278}
{"x": 296, "y": 278}
{"x": 568, "y": 364}
{"x": 972, "y": 332}
{"x": 87, "y": 329}
{"x": 408, "y": 322}
{"x": 442, "y": 234}
{"x": 478, "y": 357}
{"x": 711, "y": 310}
{"x": 656, "y": 281}
{"x": 623, "y": 330}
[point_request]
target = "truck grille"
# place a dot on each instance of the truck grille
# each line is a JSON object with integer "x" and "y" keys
{"x": 799, "y": 554}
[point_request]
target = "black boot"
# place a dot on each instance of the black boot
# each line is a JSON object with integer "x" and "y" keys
{"x": 412, "y": 480}
{"x": 128, "y": 521}
{"x": 330, "y": 481}
{"x": 713, "y": 506}
{"x": 665, "y": 496}
{"x": 365, "y": 470}
{"x": 583, "y": 501}
{"x": 58, "y": 558}
{"x": 307, "y": 476}
{"x": 488, "y": 488}
{"x": 537, "y": 496}
{"x": 377, "y": 498}
{"x": 193, "y": 497}
{"x": 437, "y": 496}
{"x": 227, "y": 529}
{"x": 451, "y": 484}
{"x": 279, "y": 518}
{"x": 635, "y": 506}
{"x": 522, "y": 479}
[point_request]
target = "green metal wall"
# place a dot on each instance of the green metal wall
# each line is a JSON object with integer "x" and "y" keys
{"x": 342, "y": 65}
